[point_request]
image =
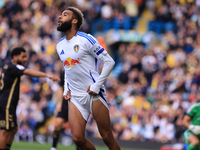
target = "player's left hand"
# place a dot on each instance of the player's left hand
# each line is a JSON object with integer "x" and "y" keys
{"x": 54, "y": 78}
{"x": 91, "y": 92}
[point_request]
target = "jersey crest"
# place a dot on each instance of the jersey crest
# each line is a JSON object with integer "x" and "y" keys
{"x": 5, "y": 66}
{"x": 76, "y": 48}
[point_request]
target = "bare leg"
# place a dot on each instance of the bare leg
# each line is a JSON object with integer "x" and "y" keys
{"x": 102, "y": 118}
{"x": 193, "y": 142}
{"x": 3, "y": 138}
{"x": 58, "y": 124}
{"x": 11, "y": 136}
{"x": 77, "y": 125}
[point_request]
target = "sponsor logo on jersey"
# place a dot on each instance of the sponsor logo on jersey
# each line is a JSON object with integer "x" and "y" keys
{"x": 71, "y": 62}
{"x": 76, "y": 48}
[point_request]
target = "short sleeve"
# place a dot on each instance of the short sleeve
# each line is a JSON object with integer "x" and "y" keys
{"x": 191, "y": 111}
{"x": 16, "y": 70}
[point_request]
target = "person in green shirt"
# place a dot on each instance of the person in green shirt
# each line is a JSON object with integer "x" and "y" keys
{"x": 192, "y": 122}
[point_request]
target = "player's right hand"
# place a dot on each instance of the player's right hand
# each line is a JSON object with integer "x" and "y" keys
{"x": 195, "y": 129}
{"x": 91, "y": 92}
{"x": 59, "y": 107}
{"x": 68, "y": 96}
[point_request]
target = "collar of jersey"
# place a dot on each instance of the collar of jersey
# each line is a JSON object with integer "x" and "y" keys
{"x": 76, "y": 33}
{"x": 72, "y": 37}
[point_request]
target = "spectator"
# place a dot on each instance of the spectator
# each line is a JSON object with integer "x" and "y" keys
{"x": 152, "y": 84}
{"x": 25, "y": 133}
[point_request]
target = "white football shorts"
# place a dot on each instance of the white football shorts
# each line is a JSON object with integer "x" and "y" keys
{"x": 84, "y": 104}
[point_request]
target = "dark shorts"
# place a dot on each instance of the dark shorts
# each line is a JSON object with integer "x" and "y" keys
{"x": 8, "y": 118}
{"x": 64, "y": 112}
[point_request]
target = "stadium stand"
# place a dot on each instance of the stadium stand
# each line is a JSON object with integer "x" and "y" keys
{"x": 154, "y": 81}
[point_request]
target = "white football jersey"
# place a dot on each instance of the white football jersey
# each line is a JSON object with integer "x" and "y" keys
{"x": 79, "y": 56}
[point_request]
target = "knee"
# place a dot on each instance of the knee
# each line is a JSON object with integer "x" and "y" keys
{"x": 57, "y": 126}
{"x": 78, "y": 139}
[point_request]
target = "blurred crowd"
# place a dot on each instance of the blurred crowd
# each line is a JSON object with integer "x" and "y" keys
{"x": 152, "y": 85}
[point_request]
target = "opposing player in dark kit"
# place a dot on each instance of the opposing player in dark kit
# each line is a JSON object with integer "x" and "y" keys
{"x": 9, "y": 94}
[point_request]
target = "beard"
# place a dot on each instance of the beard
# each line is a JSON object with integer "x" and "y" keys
{"x": 66, "y": 26}
{"x": 19, "y": 62}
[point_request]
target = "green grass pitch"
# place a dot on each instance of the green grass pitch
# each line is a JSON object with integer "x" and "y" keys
{"x": 37, "y": 146}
